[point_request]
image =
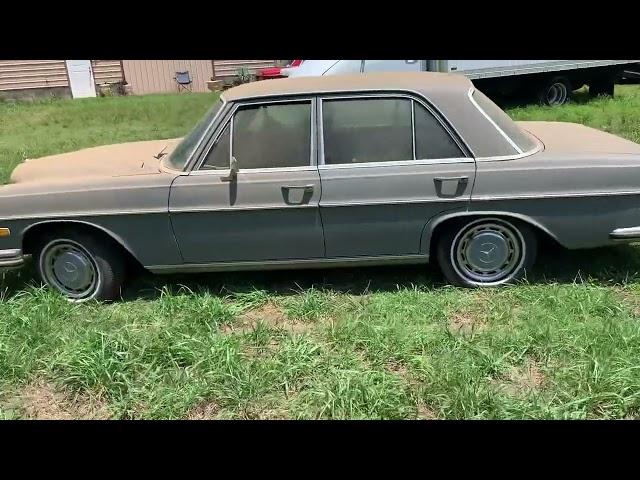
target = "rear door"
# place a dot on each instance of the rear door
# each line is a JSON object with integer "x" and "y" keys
{"x": 388, "y": 164}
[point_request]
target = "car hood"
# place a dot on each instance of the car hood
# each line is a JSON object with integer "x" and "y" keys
{"x": 123, "y": 159}
{"x": 564, "y": 137}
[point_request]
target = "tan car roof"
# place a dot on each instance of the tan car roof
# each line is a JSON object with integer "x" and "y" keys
{"x": 419, "y": 81}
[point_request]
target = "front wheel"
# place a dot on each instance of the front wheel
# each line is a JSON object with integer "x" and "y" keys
{"x": 79, "y": 266}
{"x": 486, "y": 252}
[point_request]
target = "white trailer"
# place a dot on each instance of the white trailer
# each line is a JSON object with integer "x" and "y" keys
{"x": 551, "y": 80}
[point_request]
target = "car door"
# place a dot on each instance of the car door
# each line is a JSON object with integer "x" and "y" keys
{"x": 388, "y": 164}
{"x": 268, "y": 211}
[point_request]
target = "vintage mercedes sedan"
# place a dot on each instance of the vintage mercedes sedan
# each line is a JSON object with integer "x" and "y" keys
{"x": 325, "y": 171}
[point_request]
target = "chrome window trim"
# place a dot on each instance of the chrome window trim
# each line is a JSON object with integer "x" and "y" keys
{"x": 413, "y": 128}
{"x": 398, "y": 163}
{"x": 413, "y": 97}
{"x": 198, "y": 170}
{"x": 539, "y": 147}
{"x": 188, "y": 164}
{"x": 495, "y": 125}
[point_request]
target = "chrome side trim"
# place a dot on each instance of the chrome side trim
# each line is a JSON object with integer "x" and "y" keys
{"x": 485, "y": 115}
{"x": 289, "y": 264}
{"x": 48, "y": 216}
{"x": 240, "y": 209}
{"x": 627, "y": 233}
{"x": 11, "y": 258}
{"x": 396, "y": 202}
{"x": 490, "y": 198}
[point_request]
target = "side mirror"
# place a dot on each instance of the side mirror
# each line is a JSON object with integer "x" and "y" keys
{"x": 233, "y": 171}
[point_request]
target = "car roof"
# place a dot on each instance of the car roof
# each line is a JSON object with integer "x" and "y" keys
{"x": 430, "y": 82}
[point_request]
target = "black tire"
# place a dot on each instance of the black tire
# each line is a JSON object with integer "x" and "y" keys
{"x": 102, "y": 257}
{"x": 604, "y": 87}
{"x": 455, "y": 267}
{"x": 555, "y": 91}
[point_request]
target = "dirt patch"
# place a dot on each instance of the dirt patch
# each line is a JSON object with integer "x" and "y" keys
{"x": 204, "y": 411}
{"x": 523, "y": 379}
{"x": 270, "y": 315}
{"x": 424, "y": 413}
{"x": 41, "y": 401}
{"x": 469, "y": 320}
{"x": 631, "y": 300}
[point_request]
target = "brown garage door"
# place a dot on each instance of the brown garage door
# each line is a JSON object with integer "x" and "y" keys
{"x": 157, "y": 76}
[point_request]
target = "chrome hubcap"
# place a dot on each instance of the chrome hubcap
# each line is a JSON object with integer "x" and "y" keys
{"x": 488, "y": 252}
{"x": 557, "y": 94}
{"x": 69, "y": 268}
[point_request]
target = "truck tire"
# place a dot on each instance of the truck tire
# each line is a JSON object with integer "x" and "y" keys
{"x": 603, "y": 87}
{"x": 554, "y": 91}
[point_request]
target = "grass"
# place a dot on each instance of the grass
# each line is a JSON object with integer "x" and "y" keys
{"x": 351, "y": 343}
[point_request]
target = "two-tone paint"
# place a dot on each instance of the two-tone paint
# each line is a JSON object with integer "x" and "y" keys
{"x": 578, "y": 185}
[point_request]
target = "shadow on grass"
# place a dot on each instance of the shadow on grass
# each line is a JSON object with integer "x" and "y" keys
{"x": 617, "y": 265}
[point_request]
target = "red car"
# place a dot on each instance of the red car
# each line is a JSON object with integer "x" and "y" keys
{"x": 276, "y": 72}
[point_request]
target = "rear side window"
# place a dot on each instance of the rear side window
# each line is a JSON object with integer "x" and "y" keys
{"x": 367, "y": 130}
{"x": 432, "y": 140}
{"x": 382, "y": 130}
{"x": 504, "y": 122}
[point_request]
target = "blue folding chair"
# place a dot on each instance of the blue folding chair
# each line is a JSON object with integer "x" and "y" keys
{"x": 183, "y": 79}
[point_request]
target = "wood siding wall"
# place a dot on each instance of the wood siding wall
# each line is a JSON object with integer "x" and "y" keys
{"x": 155, "y": 76}
{"x": 229, "y": 68}
{"x": 107, "y": 71}
{"x": 26, "y": 74}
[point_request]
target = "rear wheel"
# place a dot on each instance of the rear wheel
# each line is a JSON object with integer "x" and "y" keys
{"x": 555, "y": 91}
{"x": 486, "y": 252}
{"x": 79, "y": 266}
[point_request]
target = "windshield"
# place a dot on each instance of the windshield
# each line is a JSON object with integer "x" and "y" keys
{"x": 176, "y": 160}
{"x": 504, "y": 122}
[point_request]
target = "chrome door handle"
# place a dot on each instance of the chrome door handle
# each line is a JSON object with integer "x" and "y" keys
{"x": 306, "y": 188}
{"x": 462, "y": 179}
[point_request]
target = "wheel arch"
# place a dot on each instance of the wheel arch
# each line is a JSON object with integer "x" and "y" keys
{"x": 29, "y": 236}
{"x": 436, "y": 226}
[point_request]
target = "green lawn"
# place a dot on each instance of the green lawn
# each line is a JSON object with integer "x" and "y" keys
{"x": 347, "y": 343}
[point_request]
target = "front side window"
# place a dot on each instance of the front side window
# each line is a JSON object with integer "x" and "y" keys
{"x": 367, "y": 130}
{"x": 272, "y": 135}
{"x": 220, "y": 155}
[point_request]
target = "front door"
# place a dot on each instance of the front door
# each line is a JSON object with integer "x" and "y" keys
{"x": 387, "y": 165}
{"x": 269, "y": 210}
{"x": 81, "y": 78}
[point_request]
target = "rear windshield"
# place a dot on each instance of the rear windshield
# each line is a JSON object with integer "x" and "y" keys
{"x": 521, "y": 138}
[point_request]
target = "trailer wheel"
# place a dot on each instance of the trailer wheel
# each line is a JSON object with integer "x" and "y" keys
{"x": 554, "y": 91}
{"x": 601, "y": 87}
